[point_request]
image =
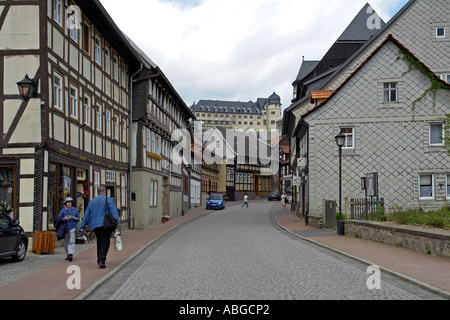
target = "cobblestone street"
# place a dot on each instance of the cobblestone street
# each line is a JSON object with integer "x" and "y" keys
{"x": 238, "y": 254}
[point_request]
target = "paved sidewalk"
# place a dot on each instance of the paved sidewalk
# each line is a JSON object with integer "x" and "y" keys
{"x": 51, "y": 282}
{"x": 427, "y": 271}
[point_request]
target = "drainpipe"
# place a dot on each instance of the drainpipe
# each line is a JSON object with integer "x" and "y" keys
{"x": 130, "y": 147}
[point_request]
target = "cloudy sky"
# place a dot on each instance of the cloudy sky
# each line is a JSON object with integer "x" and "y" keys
{"x": 237, "y": 50}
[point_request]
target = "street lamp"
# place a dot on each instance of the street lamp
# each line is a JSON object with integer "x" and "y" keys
{"x": 28, "y": 88}
{"x": 340, "y": 141}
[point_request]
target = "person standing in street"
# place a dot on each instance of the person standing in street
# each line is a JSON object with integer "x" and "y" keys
{"x": 70, "y": 215}
{"x": 94, "y": 217}
{"x": 245, "y": 201}
{"x": 284, "y": 200}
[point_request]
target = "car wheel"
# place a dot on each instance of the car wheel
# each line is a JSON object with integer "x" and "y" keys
{"x": 21, "y": 252}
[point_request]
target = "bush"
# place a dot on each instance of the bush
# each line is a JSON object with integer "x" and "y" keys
{"x": 436, "y": 219}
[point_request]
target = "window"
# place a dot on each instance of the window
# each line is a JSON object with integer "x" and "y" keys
{"x": 116, "y": 69}
{"x": 116, "y": 128}
{"x": 123, "y": 76}
{"x": 96, "y": 182}
{"x": 436, "y": 134}
{"x": 390, "y": 92}
{"x": 99, "y": 118}
{"x": 87, "y": 110}
{"x": 440, "y": 32}
{"x": 124, "y": 131}
{"x": 107, "y": 60}
{"x": 349, "y": 138}
{"x": 448, "y": 185}
{"x": 123, "y": 191}
{"x": 86, "y": 38}
{"x": 110, "y": 176}
{"x": 153, "y": 193}
{"x": 58, "y": 11}
{"x": 108, "y": 122}
{"x": 73, "y": 102}
{"x": 57, "y": 91}
{"x": 445, "y": 77}
{"x": 426, "y": 186}
{"x": 98, "y": 51}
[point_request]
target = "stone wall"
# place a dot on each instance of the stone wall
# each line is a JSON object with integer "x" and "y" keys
{"x": 432, "y": 242}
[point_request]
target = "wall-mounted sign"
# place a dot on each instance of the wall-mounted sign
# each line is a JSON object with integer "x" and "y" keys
{"x": 296, "y": 181}
{"x": 372, "y": 184}
{"x": 301, "y": 162}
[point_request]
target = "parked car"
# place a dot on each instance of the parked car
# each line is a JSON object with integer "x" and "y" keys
{"x": 13, "y": 240}
{"x": 215, "y": 201}
{"x": 274, "y": 195}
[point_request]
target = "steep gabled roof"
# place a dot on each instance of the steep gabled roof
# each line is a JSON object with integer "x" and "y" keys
{"x": 390, "y": 38}
{"x": 357, "y": 29}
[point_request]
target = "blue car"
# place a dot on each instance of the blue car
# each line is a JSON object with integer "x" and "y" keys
{"x": 215, "y": 202}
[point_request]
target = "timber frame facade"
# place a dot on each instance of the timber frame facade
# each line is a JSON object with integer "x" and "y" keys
{"x": 160, "y": 187}
{"x": 74, "y": 135}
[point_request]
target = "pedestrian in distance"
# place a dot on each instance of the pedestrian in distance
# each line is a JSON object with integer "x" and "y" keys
{"x": 94, "y": 217}
{"x": 284, "y": 200}
{"x": 70, "y": 215}
{"x": 245, "y": 201}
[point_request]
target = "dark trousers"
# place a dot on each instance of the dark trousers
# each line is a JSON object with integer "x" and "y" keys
{"x": 103, "y": 242}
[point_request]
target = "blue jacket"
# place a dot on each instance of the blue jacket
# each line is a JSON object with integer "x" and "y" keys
{"x": 72, "y": 212}
{"x": 61, "y": 228}
{"x": 95, "y": 212}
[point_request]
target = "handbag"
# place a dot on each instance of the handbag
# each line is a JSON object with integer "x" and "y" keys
{"x": 110, "y": 222}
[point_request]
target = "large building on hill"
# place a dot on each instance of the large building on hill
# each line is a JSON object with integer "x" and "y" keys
{"x": 264, "y": 114}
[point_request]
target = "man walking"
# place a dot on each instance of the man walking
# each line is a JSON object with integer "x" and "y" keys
{"x": 94, "y": 217}
{"x": 245, "y": 201}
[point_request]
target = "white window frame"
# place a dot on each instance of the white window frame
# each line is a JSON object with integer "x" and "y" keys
{"x": 124, "y": 130}
{"x": 388, "y": 87}
{"x": 58, "y": 12}
{"x": 441, "y": 36}
{"x": 116, "y": 128}
{"x": 445, "y": 77}
{"x": 116, "y": 68}
{"x": 73, "y": 101}
{"x": 123, "y": 191}
{"x": 153, "y": 194}
{"x": 107, "y": 60}
{"x": 110, "y": 176}
{"x": 58, "y": 92}
{"x": 99, "y": 122}
{"x": 97, "y": 182}
{"x": 108, "y": 122}
{"x": 430, "y": 135}
{"x": 352, "y": 134}
{"x": 432, "y": 187}
{"x": 98, "y": 50}
{"x": 87, "y": 109}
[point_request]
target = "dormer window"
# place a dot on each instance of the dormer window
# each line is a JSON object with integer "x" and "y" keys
{"x": 440, "y": 33}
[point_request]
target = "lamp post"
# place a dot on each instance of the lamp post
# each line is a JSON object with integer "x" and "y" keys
{"x": 27, "y": 88}
{"x": 340, "y": 141}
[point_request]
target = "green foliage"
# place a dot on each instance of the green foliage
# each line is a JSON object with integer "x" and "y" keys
{"x": 436, "y": 219}
{"x": 436, "y": 84}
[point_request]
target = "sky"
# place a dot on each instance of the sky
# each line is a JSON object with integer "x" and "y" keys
{"x": 237, "y": 50}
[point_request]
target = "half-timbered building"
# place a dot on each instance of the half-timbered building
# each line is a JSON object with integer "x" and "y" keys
{"x": 72, "y": 135}
{"x": 160, "y": 186}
